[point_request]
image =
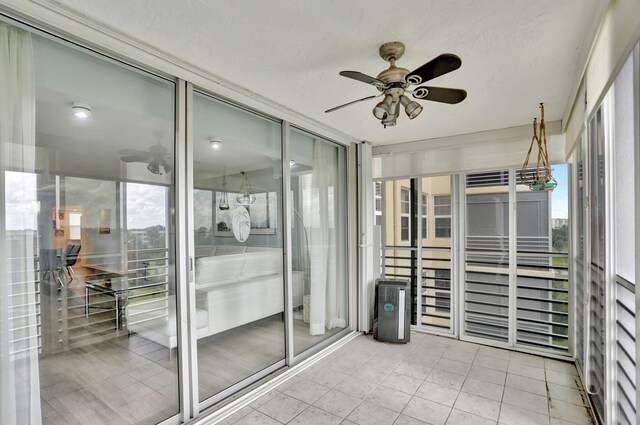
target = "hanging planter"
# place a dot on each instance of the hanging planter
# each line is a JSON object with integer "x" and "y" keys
{"x": 542, "y": 179}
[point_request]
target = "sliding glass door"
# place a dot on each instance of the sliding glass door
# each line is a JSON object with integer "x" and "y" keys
{"x": 238, "y": 244}
{"x": 416, "y": 235}
{"x": 143, "y": 274}
{"x": 516, "y": 289}
{"x": 436, "y": 291}
{"x": 318, "y": 217}
{"x": 87, "y": 237}
{"x": 487, "y": 249}
{"x": 595, "y": 374}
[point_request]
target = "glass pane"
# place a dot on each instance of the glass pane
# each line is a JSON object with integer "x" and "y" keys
{"x": 580, "y": 282}
{"x": 399, "y": 254}
{"x": 98, "y": 309}
{"x": 596, "y": 337}
{"x": 625, "y": 181}
{"x": 318, "y": 239}
{"x": 624, "y": 148}
{"x": 405, "y": 201}
{"x": 542, "y": 279}
{"x": 435, "y": 289}
{"x": 486, "y": 307}
{"x": 237, "y": 202}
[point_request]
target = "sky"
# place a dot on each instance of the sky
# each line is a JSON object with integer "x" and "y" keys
{"x": 560, "y": 195}
{"x": 146, "y": 205}
{"x": 21, "y": 204}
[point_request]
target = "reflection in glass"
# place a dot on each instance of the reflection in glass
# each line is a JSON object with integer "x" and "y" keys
{"x": 318, "y": 239}
{"x": 92, "y": 290}
{"x": 239, "y": 259}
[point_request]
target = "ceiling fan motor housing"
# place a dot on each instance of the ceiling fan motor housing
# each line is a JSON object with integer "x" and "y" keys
{"x": 392, "y": 50}
{"x": 394, "y": 74}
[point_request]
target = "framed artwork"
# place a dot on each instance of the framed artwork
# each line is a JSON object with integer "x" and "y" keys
{"x": 263, "y": 214}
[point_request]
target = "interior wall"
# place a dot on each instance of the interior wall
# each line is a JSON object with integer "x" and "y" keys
{"x": 618, "y": 34}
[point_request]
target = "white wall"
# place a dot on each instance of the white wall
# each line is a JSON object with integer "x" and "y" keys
{"x": 618, "y": 34}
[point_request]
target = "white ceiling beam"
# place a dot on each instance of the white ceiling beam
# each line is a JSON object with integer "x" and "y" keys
{"x": 504, "y": 134}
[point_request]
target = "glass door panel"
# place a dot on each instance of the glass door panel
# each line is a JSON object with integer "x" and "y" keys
{"x": 238, "y": 234}
{"x": 318, "y": 239}
{"x": 625, "y": 179}
{"x": 398, "y": 234}
{"x": 87, "y": 262}
{"x": 542, "y": 280}
{"x": 580, "y": 284}
{"x": 435, "y": 217}
{"x": 486, "y": 290}
{"x": 596, "y": 328}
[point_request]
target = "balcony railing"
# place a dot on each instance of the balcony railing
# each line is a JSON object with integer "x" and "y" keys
{"x": 147, "y": 273}
{"x": 542, "y": 283}
{"x": 625, "y": 316}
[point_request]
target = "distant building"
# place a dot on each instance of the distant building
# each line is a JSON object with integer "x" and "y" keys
{"x": 559, "y": 222}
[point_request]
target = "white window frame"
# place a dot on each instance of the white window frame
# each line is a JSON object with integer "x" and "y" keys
{"x": 437, "y": 216}
{"x": 406, "y": 215}
{"x": 424, "y": 205}
{"x": 378, "y": 187}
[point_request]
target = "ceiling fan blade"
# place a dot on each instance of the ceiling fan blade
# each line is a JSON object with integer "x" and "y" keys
{"x": 129, "y": 152}
{"x": 351, "y": 103}
{"x": 359, "y": 76}
{"x": 136, "y": 158}
{"x": 440, "y": 94}
{"x": 436, "y": 67}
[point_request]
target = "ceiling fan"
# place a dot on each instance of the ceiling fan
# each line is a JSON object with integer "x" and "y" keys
{"x": 157, "y": 156}
{"x": 394, "y": 82}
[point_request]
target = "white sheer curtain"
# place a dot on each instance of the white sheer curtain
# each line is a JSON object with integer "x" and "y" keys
{"x": 19, "y": 379}
{"x": 322, "y": 212}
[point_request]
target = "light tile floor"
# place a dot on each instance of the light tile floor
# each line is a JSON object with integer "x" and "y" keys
{"x": 431, "y": 380}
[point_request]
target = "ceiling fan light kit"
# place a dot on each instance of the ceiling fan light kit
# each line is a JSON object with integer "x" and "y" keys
{"x": 246, "y": 196}
{"x": 215, "y": 143}
{"x": 394, "y": 82}
{"x": 81, "y": 110}
{"x": 383, "y": 109}
{"x": 411, "y": 107}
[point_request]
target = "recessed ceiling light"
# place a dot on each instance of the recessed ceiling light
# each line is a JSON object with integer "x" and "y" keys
{"x": 215, "y": 143}
{"x": 81, "y": 110}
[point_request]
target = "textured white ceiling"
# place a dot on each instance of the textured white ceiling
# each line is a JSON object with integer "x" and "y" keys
{"x": 515, "y": 53}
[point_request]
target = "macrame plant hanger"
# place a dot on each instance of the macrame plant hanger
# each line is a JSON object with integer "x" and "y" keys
{"x": 542, "y": 179}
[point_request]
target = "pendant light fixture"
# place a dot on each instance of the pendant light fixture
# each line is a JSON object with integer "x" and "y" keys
{"x": 223, "y": 204}
{"x": 246, "y": 195}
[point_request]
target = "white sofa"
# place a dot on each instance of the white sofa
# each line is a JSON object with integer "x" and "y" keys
{"x": 239, "y": 288}
{"x": 156, "y": 321}
{"x": 234, "y": 284}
